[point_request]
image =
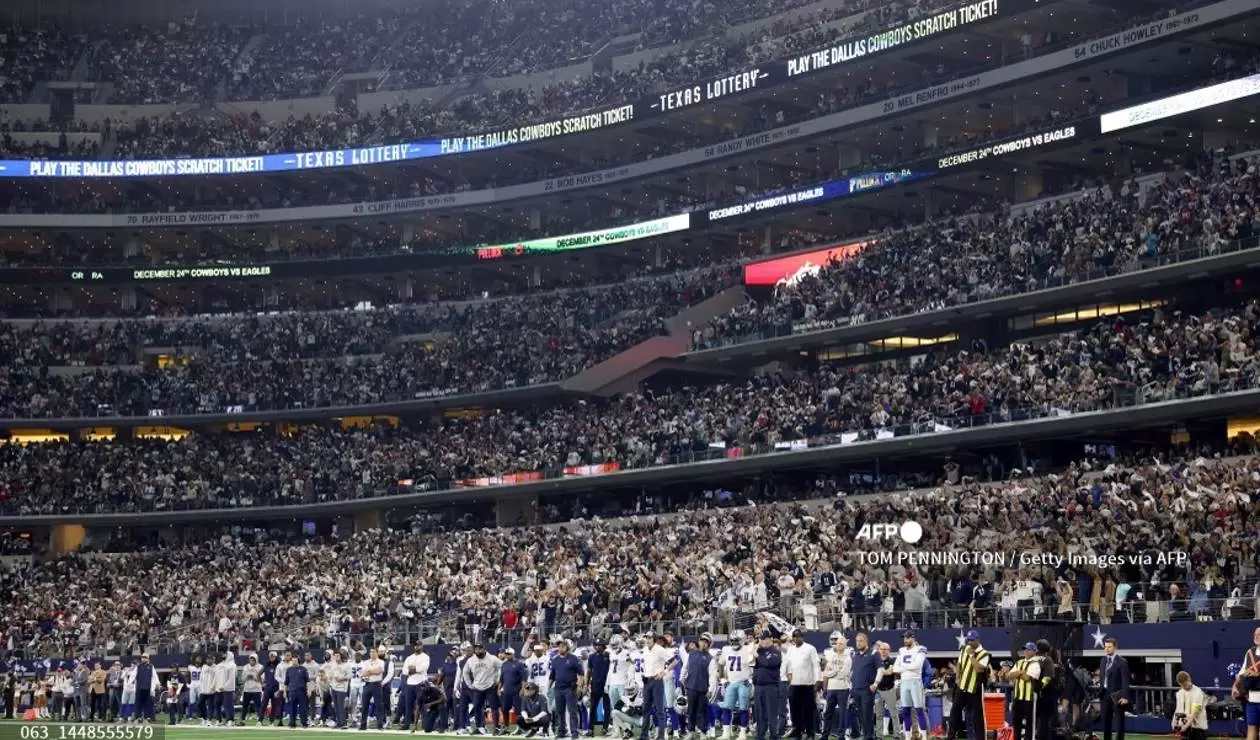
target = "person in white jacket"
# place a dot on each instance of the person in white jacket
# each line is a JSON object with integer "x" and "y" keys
{"x": 838, "y": 677}
{"x": 225, "y": 684}
{"x": 210, "y": 692}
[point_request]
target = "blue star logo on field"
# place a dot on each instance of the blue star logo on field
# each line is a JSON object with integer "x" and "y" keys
{"x": 1099, "y": 636}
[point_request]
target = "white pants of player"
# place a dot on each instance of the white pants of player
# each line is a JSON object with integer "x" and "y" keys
{"x": 912, "y": 693}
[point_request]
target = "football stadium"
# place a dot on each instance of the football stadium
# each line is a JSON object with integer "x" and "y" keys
{"x": 656, "y": 369}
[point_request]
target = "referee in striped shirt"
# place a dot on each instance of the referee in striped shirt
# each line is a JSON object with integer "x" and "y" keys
{"x": 1024, "y": 688}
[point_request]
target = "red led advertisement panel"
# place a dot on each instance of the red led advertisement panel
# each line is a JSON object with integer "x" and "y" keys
{"x": 795, "y": 266}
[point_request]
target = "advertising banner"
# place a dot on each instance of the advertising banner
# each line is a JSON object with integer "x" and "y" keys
{"x": 793, "y": 268}
{"x": 359, "y": 265}
{"x": 1175, "y": 105}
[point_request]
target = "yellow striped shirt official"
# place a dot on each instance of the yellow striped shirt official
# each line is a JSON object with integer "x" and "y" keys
{"x": 1025, "y": 687}
{"x": 970, "y": 668}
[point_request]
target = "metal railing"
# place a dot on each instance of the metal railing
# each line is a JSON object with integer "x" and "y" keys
{"x": 823, "y": 613}
{"x": 826, "y": 614}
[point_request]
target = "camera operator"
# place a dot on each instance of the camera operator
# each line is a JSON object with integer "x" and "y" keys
{"x": 1190, "y": 716}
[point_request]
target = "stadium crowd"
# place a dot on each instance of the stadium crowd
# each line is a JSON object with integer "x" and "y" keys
{"x": 1111, "y": 365}
{"x": 484, "y": 111}
{"x": 328, "y": 359}
{"x": 184, "y": 61}
{"x": 965, "y": 260}
{"x": 30, "y": 55}
{"x": 708, "y": 569}
{"x": 535, "y": 338}
{"x": 176, "y": 63}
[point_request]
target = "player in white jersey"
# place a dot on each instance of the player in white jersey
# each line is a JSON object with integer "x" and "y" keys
{"x": 356, "y": 690}
{"x": 619, "y": 669}
{"x": 909, "y": 668}
{"x": 735, "y": 665}
{"x": 194, "y": 689}
{"x": 637, "y": 655}
{"x": 538, "y": 669}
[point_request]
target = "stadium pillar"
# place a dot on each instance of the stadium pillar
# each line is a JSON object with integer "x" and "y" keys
{"x": 66, "y": 538}
{"x": 365, "y": 520}
{"x": 535, "y": 219}
{"x": 407, "y": 234}
{"x": 535, "y": 277}
{"x": 658, "y": 259}
{"x": 516, "y": 511}
{"x": 929, "y": 204}
{"x": 406, "y": 289}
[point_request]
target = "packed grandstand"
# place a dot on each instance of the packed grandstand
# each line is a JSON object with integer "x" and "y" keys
{"x": 481, "y": 322}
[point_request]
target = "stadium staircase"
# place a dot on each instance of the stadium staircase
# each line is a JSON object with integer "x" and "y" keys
{"x": 625, "y": 370}
{"x": 82, "y": 71}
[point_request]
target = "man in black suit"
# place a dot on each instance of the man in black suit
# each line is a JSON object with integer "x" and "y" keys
{"x": 1114, "y": 676}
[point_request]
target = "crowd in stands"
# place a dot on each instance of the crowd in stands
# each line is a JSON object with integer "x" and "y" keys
{"x": 177, "y": 63}
{"x": 536, "y": 338}
{"x": 966, "y": 260}
{"x": 31, "y": 55}
{"x": 453, "y": 41}
{"x": 301, "y": 60}
{"x": 1111, "y": 365}
{"x": 301, "y": 360}
{"x": 457, "y": 41}
{"x": 703, "y": 569}
{"x": 485, "y": 111}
